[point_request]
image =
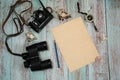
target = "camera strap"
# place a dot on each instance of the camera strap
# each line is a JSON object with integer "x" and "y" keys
{"x": 19, "y": 19}
{"x": 42, "y": 4}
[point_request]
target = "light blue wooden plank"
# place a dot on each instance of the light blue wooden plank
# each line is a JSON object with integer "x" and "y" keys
{"x": 1, "y": 42}
{"x": 6, "y": 57}
{"x": 113, "y": 29}
{"x": 18, "y": 45}
{"x": 99, "y": 70}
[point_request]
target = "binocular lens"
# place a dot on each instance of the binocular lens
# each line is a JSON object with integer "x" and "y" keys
{"x": 41, "y": 65}
{"x": 40, "y": 46}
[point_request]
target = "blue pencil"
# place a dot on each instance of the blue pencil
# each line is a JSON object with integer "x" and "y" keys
{"x": 57, "y": 58}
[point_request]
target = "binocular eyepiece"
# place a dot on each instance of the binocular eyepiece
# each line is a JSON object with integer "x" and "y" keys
{"x": 32, "y": 59}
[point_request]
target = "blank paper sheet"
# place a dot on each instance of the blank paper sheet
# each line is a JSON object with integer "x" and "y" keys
{"x": 75, "y": 44}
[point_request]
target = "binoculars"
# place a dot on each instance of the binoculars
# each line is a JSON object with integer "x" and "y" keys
{"x": 32, "y": 59}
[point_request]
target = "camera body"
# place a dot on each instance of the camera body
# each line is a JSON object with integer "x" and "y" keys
{"x": 40, "y": 19}
{"x": 32, "y": 59}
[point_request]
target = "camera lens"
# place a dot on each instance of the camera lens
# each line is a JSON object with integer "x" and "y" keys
{"x": 40, "y": 15}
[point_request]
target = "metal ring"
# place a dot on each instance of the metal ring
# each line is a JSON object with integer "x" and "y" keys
{"x": 89, "y": 18}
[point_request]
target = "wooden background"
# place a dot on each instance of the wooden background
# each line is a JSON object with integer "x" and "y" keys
{"x": 107, "y": 19}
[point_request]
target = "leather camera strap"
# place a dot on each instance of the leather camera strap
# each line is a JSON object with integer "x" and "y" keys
{"x": 19, "y": 19}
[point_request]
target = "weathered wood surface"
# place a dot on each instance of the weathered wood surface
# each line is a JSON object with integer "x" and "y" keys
{"x": 106, "y": 14}
{"x": 113, "y": 30}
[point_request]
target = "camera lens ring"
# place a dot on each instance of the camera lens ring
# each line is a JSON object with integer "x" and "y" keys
{"x": 38, "y": 14}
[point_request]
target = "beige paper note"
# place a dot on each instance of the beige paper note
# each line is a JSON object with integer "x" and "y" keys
{"x": 75, "y": 44}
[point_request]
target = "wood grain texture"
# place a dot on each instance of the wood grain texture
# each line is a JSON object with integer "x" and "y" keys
{"x": 18, "y": 45}
{"x": 6, "y": 57}
{"x": 1, "y": 42}
{"x": 99, "y": 70}
{"x": 106, "y": 16}
{"x": 113, "y": 30}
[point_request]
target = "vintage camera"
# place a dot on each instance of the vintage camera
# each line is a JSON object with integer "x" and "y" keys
{"x": 32, "y": 59}
{"x": 40, "y": 18}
